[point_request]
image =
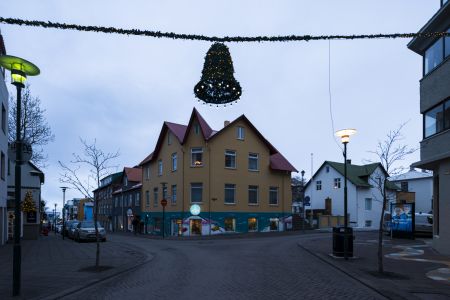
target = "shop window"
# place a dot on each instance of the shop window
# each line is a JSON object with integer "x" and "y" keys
{"x": 230, "y": 224}
{"x": 252, "y": 224}
{"x": 273, "y": 223}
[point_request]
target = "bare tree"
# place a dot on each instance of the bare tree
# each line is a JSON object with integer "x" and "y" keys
{"x": 95, "y": 163}
{"x": 390, "y": 153}
{"x": 34, "y": 127}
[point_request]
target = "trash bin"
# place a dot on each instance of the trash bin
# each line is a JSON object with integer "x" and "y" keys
{"x": 339, "y": 234}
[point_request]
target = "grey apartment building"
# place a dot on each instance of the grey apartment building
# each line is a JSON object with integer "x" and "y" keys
{"x": 435, "y": 108}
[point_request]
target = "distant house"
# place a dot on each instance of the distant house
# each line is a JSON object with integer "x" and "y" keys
{"x": 103, "y": 195}
{"x": 32, "y": 179}
{"x": 326, "y": 192}
{"x": 419, "y": 183}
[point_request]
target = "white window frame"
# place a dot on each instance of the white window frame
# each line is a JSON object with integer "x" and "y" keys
{"x": 233, "y": 224}
{"x": 251, "y": 188}
{"x": 147, "y": 173}
{"x": 253, "y": 156}
{"x": 240, "y": 133}
{"x": 194, "y": 151}
{"x": 155, "y": 197}
{"x": 200, "y": 186}
{"x": 231, "y": 153}
{"x": 229, "y": 186}
{"x": 160, "y": 167}
{"x": 318, "y": 185}
{"x": 174, "y": 194}
{"x": 271, "y": 190}
{"x": 337, "y": 183}
{"x": 366, "y": 201}
{"x": 174, "y": 162}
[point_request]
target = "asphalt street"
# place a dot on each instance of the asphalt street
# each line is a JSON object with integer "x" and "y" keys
{"x": 273, "y": 267}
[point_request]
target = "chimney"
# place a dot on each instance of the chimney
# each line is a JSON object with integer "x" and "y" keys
{"x": 349, "y": 161}
{"x": 226, "y": 123}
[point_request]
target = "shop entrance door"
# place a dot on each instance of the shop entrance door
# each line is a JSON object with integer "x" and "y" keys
{"x": 196, "y": 227}
{"x": 177, "y": 229}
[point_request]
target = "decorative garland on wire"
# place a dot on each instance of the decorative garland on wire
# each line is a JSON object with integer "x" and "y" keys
{"x": 197, "y": 37}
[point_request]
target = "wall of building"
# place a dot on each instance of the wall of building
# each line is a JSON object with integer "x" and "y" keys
{"x": 441, "y": 240}
{"x": 3, "y": 149}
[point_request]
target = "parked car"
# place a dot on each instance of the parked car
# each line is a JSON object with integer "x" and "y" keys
{"x": 424, "y": 223}
{"x": 86, "y": 231}
{"x": 66, "y": 227}
{"x": 58, "y": 228}
{"x": 71, "y": 230}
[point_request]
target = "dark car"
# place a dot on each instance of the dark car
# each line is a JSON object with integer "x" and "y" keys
{"x": 72, "y": 229}
{"x": 85, "y": 231}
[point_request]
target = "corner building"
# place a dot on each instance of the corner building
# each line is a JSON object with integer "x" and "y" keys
{"x": 231, "y": 180}
{"x": 435, "y": 108}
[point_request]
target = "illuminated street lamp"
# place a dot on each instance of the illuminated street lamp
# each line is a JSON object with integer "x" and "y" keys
{"x": 20, "y": 69}
{"x": 345, "y": 134}
{"x": 63, "y": 188}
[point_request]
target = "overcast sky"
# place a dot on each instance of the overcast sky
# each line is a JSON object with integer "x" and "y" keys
{"x": 119, "y": 89}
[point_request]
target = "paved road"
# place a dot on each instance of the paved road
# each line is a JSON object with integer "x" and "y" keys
{"x": 249, "y": 268}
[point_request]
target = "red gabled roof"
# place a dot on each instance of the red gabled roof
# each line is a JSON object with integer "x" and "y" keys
{"x": 277, "y": 161}
{"x": 133, "y": 174}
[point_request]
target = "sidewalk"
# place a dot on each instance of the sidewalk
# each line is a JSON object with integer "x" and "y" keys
{"x": 410, "y": 265}
{"x": 52, "y": 267}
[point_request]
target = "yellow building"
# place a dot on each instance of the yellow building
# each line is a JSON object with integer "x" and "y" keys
{"x": 233, "y": 179}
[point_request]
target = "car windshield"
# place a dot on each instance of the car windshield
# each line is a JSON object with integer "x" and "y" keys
{"x": 89, "y": 225}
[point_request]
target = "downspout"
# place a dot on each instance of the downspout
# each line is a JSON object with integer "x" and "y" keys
{"x": 209, "y": 186}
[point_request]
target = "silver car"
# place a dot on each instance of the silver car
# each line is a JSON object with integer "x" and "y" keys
{"x": 85, "y": 231}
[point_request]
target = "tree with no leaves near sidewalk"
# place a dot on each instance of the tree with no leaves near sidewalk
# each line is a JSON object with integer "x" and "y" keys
{"x": 84, "y": 172}
{"x": 389, "y": 152}
{"x": 35, "y": 129}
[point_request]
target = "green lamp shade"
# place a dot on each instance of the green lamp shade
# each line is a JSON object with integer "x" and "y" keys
{"x": 19, "y": 64}
{"x": 18, "y": 77}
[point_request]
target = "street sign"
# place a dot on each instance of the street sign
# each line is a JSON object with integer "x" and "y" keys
{"x": 163, "y": 202}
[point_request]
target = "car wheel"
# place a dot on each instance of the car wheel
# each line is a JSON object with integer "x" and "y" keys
{"x": 104, "y": 240}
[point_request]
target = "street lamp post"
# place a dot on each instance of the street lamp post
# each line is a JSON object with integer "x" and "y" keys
{"x": 163, "y": 204}
{"x": 303, "y": 200}
{"x": 20, "y": 69}
{"x": 63, "y": 188}
{"x": 54, "y": 220}
{"x": 345, "y": 134}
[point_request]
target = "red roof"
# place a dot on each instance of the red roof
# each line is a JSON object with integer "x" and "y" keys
{"x": 277, "y": 161}
{"x": 133, "y": 174}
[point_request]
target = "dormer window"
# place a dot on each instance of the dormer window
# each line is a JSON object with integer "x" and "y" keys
{"x": 197, "y": 157}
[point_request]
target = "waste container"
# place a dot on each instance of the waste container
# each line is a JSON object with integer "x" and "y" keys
{"x": 339, "y": 237}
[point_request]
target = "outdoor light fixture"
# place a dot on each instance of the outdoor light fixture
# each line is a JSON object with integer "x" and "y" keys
{"x": 345, "y": 134}
{"x": 20, "y": 69}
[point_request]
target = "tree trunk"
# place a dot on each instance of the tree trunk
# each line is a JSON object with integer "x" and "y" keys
{"x": 380, "y": 232}
{"x": 97, "y": 253}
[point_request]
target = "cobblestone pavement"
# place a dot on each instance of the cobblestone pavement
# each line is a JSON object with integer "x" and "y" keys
{"x": 248, "y": 268}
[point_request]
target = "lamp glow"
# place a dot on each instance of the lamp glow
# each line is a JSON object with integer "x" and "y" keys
{"x": 345, "y": 134}
{"x": 19, "y": 67}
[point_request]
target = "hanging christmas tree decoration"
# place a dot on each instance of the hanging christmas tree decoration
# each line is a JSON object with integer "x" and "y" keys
{"x": 28, "y": 203}
{"x": 218, "y": 85}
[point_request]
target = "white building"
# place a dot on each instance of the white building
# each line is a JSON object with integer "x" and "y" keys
{"x": 326, "y": 192}
{"x": 420, "y": 183}
{"x": 3, "y": 149}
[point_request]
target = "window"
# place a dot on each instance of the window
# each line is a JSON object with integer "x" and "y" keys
{"x": 125, "y": 181}
{"x": 318, "y": 185}
{"x": 164, "y": 192}
{"x": 252, "y": 194}
{"x": 327, "y": 169}
{"x": 230, "y": 194}
{"x": 196, "y": 128}
{"x": 196, "y": 192}
{"x": 447, "y": 113}
{"x": 160, "y": 167}
{"x": 434, "y": 55}
{"x": 155, "y": 197}
{"x": 240, "y": 133}
{"x": 4, "y": 120}
{"x": 197, "y": 157}
{"x": 230, "y": 224}
{"x": 337, "y": 183}
{"x": 447, "y": 44}
{"x": 368, "y": 204}
{"x": 147, "y": 173}
{"x": 130, "y": 200}
{"x": 174, "y": 194}
{"x": 404, "y": 186}
{"x": 174, "y": 162}
{"x": 3, "y": 166}
{"x": 368, "y": 223}
{"x": 273, "y": 224}
{"x": 138, "y": 199}
{"x": 230, "y": 159}
{"x": 147, "y": 198}
{"x": 434, "y": 121}
{"x": 253, "y": 162}
{"x": 273, "y": 195}
{"x": 252, "y": 224}
{"x": 169, "y": 138}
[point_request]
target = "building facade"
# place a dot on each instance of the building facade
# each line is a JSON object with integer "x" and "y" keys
{"x": 103, "y": 196}
{"x": 435, "y": 108}
{"x": 3, "y": 150}
{"x": 127, "y": 201}
{"x": 418, "y": 183}
{"x": 326, "y": 192}
{"x": 231, "y": 180}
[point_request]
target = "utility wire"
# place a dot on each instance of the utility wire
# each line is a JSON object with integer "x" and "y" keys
{"x": 198, "y": 37}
